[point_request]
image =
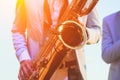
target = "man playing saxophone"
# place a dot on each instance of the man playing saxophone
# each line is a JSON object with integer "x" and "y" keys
{"x": 29, "y": 31}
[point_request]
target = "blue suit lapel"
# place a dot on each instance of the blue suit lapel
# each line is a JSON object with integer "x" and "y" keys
{"x": 117, "y": 25}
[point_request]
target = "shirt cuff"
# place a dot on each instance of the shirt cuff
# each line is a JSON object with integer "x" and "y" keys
{"x": 23, "y": 56}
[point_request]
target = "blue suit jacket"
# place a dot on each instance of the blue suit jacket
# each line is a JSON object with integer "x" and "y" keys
{"x": 111, "y": 44}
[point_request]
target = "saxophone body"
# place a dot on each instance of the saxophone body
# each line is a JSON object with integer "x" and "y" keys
{"x": 60, "y": 42}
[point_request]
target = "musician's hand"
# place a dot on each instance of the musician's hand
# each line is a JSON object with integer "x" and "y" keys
{"x": 26, "y": 68}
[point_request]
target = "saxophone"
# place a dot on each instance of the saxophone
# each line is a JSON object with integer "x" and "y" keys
{"x": 60, "y": 42}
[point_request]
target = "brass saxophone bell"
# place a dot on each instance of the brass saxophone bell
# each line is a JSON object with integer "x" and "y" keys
{"x": 72, "y": 34}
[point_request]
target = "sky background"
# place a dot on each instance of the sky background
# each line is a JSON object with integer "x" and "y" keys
{"x": 9, "y": 66}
